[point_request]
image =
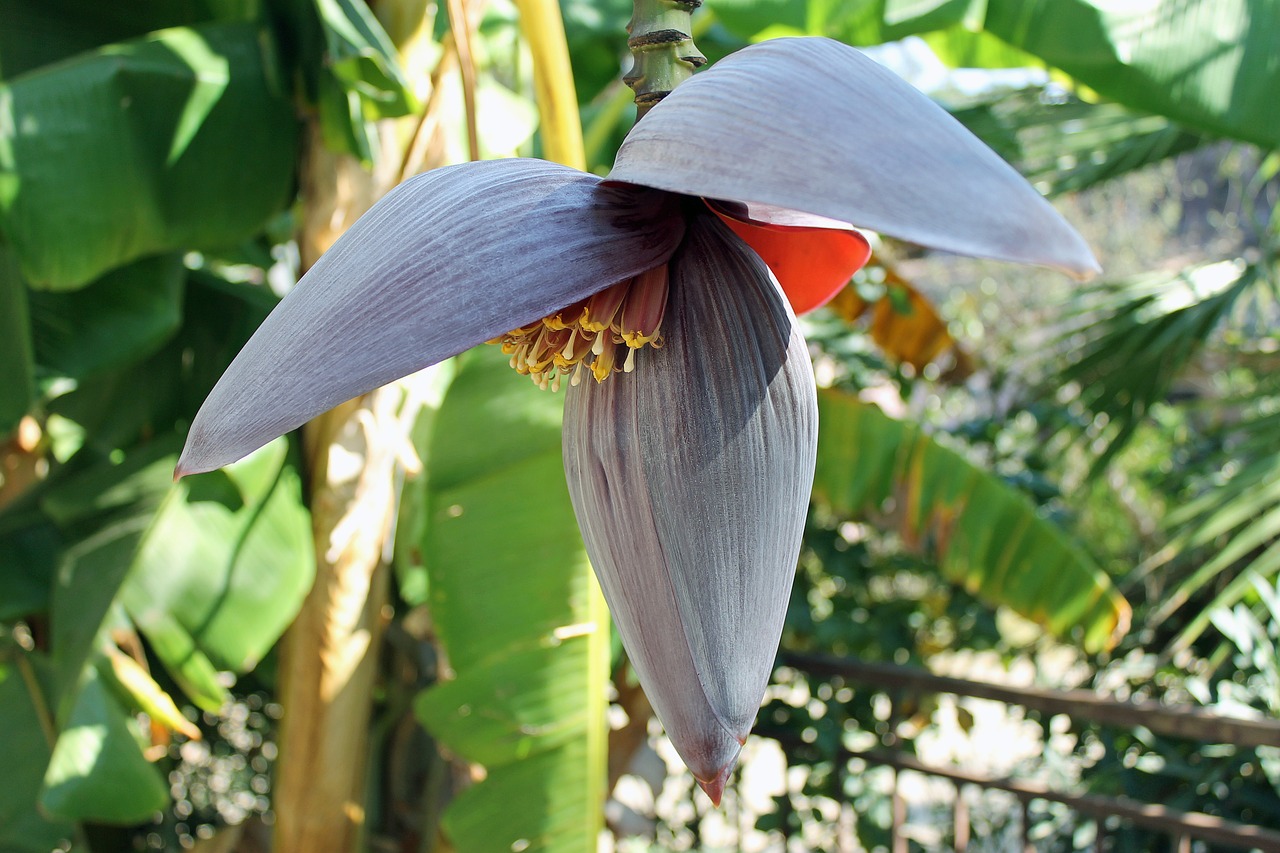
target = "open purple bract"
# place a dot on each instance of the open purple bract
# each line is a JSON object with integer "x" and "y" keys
{"x": 691, "y": 475}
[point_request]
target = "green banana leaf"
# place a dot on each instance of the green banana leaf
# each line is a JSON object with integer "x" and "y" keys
{"x": 25, "y": 750}
{"x": 514, "y": 606}
{"x": 38, "y": 33}
{"x": 183, "y": 139}
{"x": 981, "y": 532}
{"x": 97, "y": 771}
{"x": 224, "y": 558}
{"x": 119, "y": 318}
{"x": 1209, "y": 64}
{"x": 210, "y": 571}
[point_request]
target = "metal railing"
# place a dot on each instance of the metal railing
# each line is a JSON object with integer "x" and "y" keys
{"x": 1197, "y": 724}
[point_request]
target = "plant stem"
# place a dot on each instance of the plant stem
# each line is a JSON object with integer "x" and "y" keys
{"x": 662, "y": 48}
{"x": 560, "y": 125}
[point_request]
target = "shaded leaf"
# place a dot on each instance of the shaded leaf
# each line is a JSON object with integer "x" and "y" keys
{"x": 25, "y": 749}
{"x": 18, "y": 388}
{"x": 39, "y": 33}
{"x": 104, "y": 511}
{"x": 981, "y": 532}
{"x": 216, "y": 568}
{"x": 123, "y": 316}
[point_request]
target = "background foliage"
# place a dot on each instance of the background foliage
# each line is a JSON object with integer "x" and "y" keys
{"x": 995, "y": 441}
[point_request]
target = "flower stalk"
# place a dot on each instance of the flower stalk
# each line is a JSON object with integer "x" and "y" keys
{"x": 662, "y": 49}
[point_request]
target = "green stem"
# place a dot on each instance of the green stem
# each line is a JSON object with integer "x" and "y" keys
{"x": 662, "y": 48}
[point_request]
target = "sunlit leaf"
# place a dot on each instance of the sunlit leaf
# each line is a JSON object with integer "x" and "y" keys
{"x": 229, "y": 557}
{"x": 359, "y": 80}
{"x": 148, "y": 696}
{"x": 513, "y": 607}
{"x": 981, "y": 532}
{"x": 1207, "y": 63}
{"x": 199, "y": 157}
{"x": 97, "y": 771}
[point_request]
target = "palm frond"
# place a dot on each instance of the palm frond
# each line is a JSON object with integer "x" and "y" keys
{"x": 1128, "y": 340}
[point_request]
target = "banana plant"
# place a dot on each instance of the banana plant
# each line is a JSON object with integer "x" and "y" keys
{"x": 664, "y": 297}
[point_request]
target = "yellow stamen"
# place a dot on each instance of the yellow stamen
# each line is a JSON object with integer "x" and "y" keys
{"x": 591, "y": 332}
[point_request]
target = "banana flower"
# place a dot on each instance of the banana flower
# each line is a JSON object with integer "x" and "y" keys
{"x": 690, "y": 409}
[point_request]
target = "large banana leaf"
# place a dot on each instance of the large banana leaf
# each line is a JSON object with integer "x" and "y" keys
{"x": 97, "y": 771}
{"x": 38, "y": 33}
{"x": 224, "y": 557}
{"x": 982, "y": 533}
{"x": 1207, "y": 63}
{"x": 209, "y": 570}
{"x": 121, "y": 317}
{"x": 515, "y": 610}
{"x": 183, "y": 139}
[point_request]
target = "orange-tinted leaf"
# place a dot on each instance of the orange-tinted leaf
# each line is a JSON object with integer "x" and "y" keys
{"x": 904, "y": 323}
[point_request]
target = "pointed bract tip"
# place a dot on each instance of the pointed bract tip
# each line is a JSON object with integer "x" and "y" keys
{"x": 714, "y": 788}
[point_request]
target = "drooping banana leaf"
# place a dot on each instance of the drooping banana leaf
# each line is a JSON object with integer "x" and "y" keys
{"x": 981, "y": 532}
